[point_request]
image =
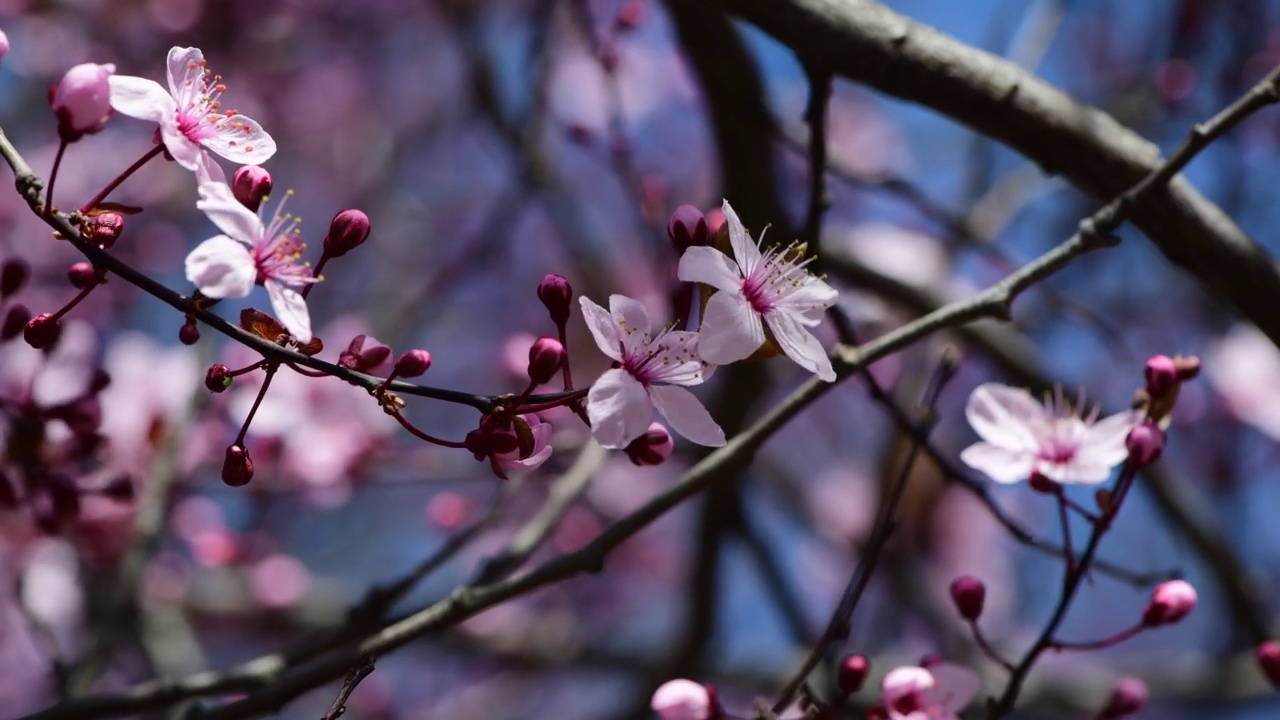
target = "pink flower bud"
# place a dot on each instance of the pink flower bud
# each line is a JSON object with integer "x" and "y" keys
{"x": 682, "y": 700}
{"x": 1145, "y": 443}
{"x": 13, "y": 275}
{"x": 1188, "y": 367}
{"x": 853, "y": 673}
{"x": 687, "y": 227}
{"x": 237, "y": 468}
{"x": 1128, "y": 697}
{"x": 105, "y": 228}
{"x": 14, "y": 321}
{"x": 82, "y": 101}
{"x": 546, "y": 357}
{"x": 42, "y": 331}
{"x": 1268, "y": 655}
{"x": 1161, "y": 374}
{"x": 189, "y": 334}
{"x": 4, "y": 44}
{"x": 218, "y": 378}
{"x": 1170, "y": 602}
{"x": 555, "y": 292}
{"x": 251, "y": 185}
{"x": 651, "y": 448}
{"x": 363, "y": 354}
{"x": 347, "y": 231}
{"x": 412, "y": 363}
{"x": 81, "y": 275}
{"x": 968, "y": 594}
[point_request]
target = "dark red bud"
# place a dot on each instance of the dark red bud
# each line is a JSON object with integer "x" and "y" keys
{"x": 251, "y": 185}
{"x": 189, "y": 334}
{"x": 687, "y": 227}
{"x": 413, "y": 363}
{"x": 546, "y": 357}
{"x": 1161, "y": 374}
{"x": 1268, "y": 655}
{"x": 556, "y": 293}
{"x": 348, "y": 230}
{"x": 853, "y": 673}
{"x": 1128, "y": 697}
{"x": 15, "y": 320}
{"x": 105, "y": 228}
{"x": 42, "y": 331}
{"x": 1042, "y": 484}
{"x": 218, "y": 378}
{"x": 1145, "y": 443}
{"x": 13, "y": 275}
{"x": 651, "y": 448}
{"x": 81, "y": 275}
{"x": 237, "y": 468}
{"x": 968, "y": 594}
{"x": 101, "y": 379}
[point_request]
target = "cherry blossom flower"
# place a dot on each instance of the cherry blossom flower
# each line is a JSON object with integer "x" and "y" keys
{"x": 252, "y": 252}
{"x": 1022, "y": 436}
{"x": 758, "y": 289}
{"x": 190, "y": 113}
{"x": 538, "y": 454}
{"x": 620, "y": 404}
{"x": 933, "y": 693}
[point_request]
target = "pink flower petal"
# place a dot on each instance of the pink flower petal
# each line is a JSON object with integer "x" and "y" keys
{"x": 619, "y": 409}
{"x": 800, "y": 345}
{"x": 954, "y": 686}
{"x": 1104, "y": 442}
{"x": 686, "y": 415}
{"x": 602, "y": 328}
{"x": 629, "y": 314}
{"x": 730, "y": 329}
{"x": 221, "y": 268}
{"x": 677, "y": 359}
{"x": 179, "y": 63}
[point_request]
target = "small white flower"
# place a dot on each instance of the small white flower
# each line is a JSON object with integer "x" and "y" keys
{"x": 252, "y": 252}
{"x": 1022, "y": 436}
{"x": 620, "y": 404}
{"x": 757, "y": 289}
{"x": 190, "y": 114}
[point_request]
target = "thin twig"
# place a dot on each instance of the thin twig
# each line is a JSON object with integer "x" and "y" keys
{"x": 358, "y": 672}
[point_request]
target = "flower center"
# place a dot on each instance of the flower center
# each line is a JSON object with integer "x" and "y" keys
{"x": 647, "y": 359}
{"x": 278, "y": 252}
{"x": 774, "y": 278}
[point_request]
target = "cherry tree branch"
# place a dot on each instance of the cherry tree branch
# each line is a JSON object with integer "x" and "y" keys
{"x": 863, "y": 41}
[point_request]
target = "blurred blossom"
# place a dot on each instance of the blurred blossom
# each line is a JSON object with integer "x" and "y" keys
{"x": 1244, "y": 367}
{"x": 151, "y": 391}
{"x": 279, "y": 581}
{"x": 938, "y": 692}
{"x": 896, "y": 252}
{"x": 1021, "y": 436}
{"x": 842, "y": 501}
{"x": 447, "y": 510}
{"x": 52, "y": 592}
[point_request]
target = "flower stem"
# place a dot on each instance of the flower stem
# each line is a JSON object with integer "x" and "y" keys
{"x": 423, "y": 436}
{"x": 1100, "y": 644}
{"x": 53, "y": 176}
{"x": 262, "y": 392}
{"x": 102, "y": 195}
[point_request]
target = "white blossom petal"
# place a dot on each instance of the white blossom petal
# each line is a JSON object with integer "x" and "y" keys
{"x": 241, "y": 140}
{"x": 140, "y": 98}
{"x": 602, "y": 327}
{"x": 730, "y": 330}
{"x": 709, "y": 266}
{"x": 954, "y": 686}
{"x": 745, "y": 250}
{"x": 1104, "y": 442}
{"x": 220, "y": 205}
{"x": 675, "y": 359}
{"x": 619, "y": 409}
{"x": 181, "y": 149}
{"x": 221, "y": 268}
{"x": 686, "y": 415}
{"x": 179, "y": 63}
{"x": 809, "y": 302}
{"x": 1003, "y": 416}
{"x": 291, "y": 309}
{"x": 800, "y": 345}
{"x": 631, "y": 317}
{"x": 1000, "y": 463}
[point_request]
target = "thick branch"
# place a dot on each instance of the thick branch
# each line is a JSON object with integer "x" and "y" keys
{"x": 863, "y": 41}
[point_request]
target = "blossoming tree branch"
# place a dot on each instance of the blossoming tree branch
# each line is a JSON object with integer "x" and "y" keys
{"x": 609, "y": 377}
